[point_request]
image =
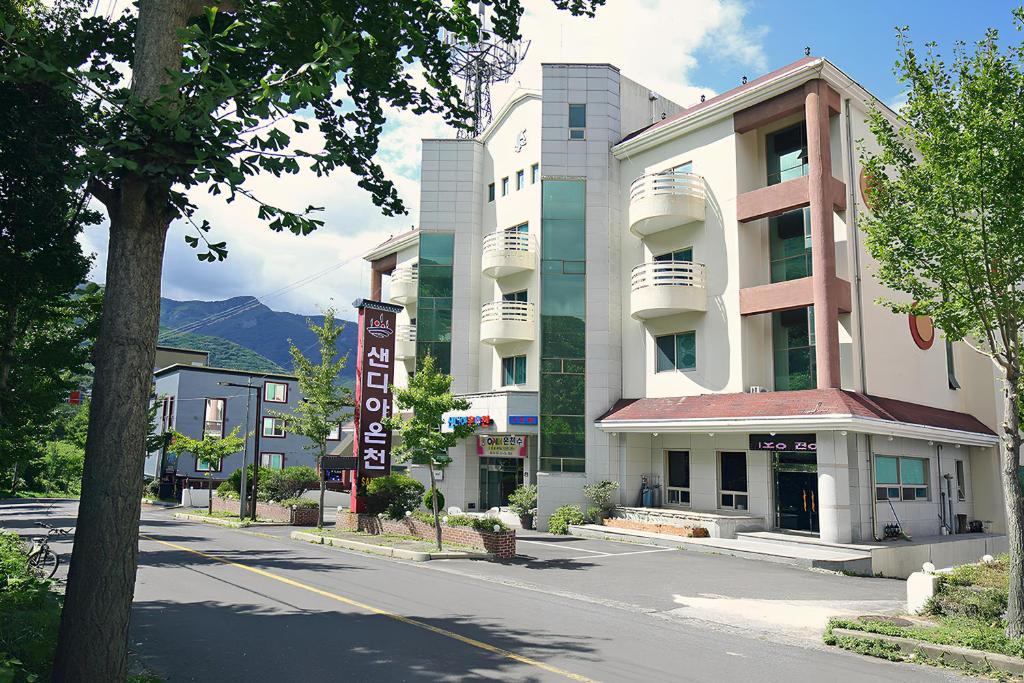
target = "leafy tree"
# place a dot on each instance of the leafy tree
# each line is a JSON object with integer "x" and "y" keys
{"x": 209, "y": 451}
{"x": 215, "y": 96}
{"x": 429, "y": 397}
{"x": 319, "y": 411}
{"x": 62, "y": 466}
{"x": 947, "y": 224}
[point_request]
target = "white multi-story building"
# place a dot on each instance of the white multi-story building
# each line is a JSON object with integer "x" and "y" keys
{"x": 678, "y": 299}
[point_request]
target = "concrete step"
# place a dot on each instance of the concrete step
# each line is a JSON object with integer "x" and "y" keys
{"x": 807, "y": 556}
{"x": 802, "y": 539}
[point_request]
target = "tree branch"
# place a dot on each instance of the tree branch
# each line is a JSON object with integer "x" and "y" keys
{"x": 101, "y": 192}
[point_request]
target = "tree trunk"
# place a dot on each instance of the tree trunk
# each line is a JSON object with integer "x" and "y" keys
{"x": 92, "y": 645}
{"x": 437, "y": 513}
{"x": 323, "y": 487}
{"x": 209, "y": 487}
{"x": 1014, "y": 499}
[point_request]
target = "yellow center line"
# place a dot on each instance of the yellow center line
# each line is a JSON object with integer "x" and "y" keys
{"x": 384, "y": 613}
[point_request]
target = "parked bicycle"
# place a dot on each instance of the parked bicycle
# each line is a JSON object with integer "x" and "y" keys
{"x": 42, "y": 561}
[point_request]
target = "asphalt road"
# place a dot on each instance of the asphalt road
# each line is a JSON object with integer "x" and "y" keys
{"x": 215, "y": 604}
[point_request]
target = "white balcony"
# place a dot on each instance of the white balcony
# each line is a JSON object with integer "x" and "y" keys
{"x": 507, "y": 252}
{"x": 507, "y": 321}
{"x": 404, "y": 282}
{"x": 666, "y": 288}
{"x": 405, "y": 342}
{"x": 659, "y": 201}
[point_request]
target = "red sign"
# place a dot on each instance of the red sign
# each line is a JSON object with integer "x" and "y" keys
{"x": 375, "y": 373}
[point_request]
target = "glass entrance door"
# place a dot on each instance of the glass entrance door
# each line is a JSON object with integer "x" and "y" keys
{"x": 796, "y": 491}
{"x": 499, "y": 477}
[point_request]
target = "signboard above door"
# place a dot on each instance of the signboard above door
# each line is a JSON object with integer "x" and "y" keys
{"x": 508, "y": 446}
{"x": 783, "y": 442}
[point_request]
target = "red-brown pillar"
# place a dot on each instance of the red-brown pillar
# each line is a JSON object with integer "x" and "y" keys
{"x": 823, "y": 249}
{"x": 376, "y": 284}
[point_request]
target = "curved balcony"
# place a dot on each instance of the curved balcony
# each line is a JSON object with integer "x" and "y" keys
{"x": 405, "y": 342}
{"x": 666, "y": 288}
{"x": 507, "y": 252}
{"x": 659, "y": 201}
{"x": 404, "y": 282}
{"x": 507, "y": 321}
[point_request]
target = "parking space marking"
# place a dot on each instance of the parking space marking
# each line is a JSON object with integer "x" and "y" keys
{"x": 572, "y": 548}
{"x": 641, "y": 552}
{"x": 569, "y": 548}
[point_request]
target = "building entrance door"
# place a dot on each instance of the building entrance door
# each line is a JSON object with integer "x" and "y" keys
{"x": 796, "y": 491}
{"x": 499, "y": 477}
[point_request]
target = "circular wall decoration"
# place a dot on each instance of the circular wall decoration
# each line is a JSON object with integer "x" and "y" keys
{"x": 922, "y": 329}
{"x": 865, "y": 187}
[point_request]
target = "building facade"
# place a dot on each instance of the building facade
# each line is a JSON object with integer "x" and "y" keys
{"x": 679, "y": 300}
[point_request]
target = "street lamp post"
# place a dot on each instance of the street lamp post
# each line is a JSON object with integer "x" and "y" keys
{"x": 256, "y": 448}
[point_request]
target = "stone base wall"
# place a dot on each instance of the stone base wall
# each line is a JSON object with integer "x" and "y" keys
{"x": 684, "y": 531}
{"x": 275, "y": 513}
{"x": 501, "y": 544}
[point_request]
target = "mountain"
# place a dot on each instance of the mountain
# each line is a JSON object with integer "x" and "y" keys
{"x": 223, "y": 353}
{"x": 250, "y": 324}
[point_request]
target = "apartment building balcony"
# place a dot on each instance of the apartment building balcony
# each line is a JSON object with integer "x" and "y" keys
{"x": 667, "y": 287}
{"x": 404, "y": 282}
{"x": 507, "y": 252}
{"x": 507, "y": 321}
{"x": 659, "y": 201}
{"x": 405, "y": 342}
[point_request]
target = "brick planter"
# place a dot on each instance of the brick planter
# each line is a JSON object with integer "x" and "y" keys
{"x": 501, "y": 544}
{"x": 273, "y": 512}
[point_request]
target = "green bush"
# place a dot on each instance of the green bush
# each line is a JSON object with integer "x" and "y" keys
{"x": 428, "y": 500}
{"x": 392, "y": 495}
{"x": 562, "y": 517}
{"x": 985, "y": 604}
{"x": 299, "y": 503}
{"x": 425, "y": 517}
{"x": 523, "y": 501}
{"x": 151, "y": 488}
{"x": 477, "y": 523}
{"x": 62, "y": 468}
{"x": 601, "y": 495}
{"x": 290, "y": 482}
{"x": 235, "y": 478}
{"x": 225, "y": 490}
{"x": 30, "y": 614}
{"x": 594, "y": 515}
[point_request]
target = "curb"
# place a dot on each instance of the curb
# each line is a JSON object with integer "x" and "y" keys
{"x": 385, "y": 551}
{"x": 210, "y": 520}
{"x": 947, "y": 654}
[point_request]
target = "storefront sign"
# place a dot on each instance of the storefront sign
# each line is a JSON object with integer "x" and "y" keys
{"x": 375, "y": 372}
{"x": 522, "y": 419}
{"x": 507, "y": 446}
{"x": 783, "y": 442}
{"x": 482, "y": 420}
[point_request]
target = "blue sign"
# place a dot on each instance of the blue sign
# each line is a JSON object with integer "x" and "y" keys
{"x": 522, "y": 419}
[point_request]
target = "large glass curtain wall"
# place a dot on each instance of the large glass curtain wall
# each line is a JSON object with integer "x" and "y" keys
{"x": 434, "y": 299}
{"x": 793, "y": 347}
{"x": 789, "y": 242}
{"x": 563, "y": 326}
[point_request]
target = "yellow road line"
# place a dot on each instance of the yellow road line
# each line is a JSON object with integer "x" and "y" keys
{"x": 385, "y": 613}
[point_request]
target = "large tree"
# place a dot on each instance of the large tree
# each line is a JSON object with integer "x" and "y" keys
{"x": 947, "y": 224}
{"x": 214, "y": 97}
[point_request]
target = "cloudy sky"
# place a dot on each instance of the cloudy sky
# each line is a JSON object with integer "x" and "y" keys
{"x": 681, "y": 48}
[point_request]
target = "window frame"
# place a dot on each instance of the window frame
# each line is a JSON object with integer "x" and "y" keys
{"x": 265, "y": 454}
{"x": 490, "y": 192}
{"x": 733, "y": 494}
{"x": 534, "y": 173}
{"x": 223, "y": 418}
{"x": 675, "y": 349}
{"x": 582, "y": 130}
{"x": 520, "y": 179}
{"x": 263, "y": 427}
{"x": 679, "y": 490}
{"x": 519, "y": 295}
{"x": 275, "y": 383}
{"x": 198, "y": 466}
{"x": 504, "y": 186}
{"x": 515, "y": 362}
{"x": 884, "y": 489}
{"x": 336, "y": 432}
{"x": 961, "y": 481}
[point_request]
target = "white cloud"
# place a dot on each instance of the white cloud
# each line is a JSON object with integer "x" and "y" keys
{"x": 656, "y": 42}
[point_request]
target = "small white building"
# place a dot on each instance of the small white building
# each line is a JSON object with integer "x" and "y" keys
{"x": 679, "y": 299}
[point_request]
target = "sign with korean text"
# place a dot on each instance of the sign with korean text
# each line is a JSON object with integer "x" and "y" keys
{"x": 503, "y": 446}
{"x": 784, "y": 442}
{"x": 479, "y": 420}
{"x": 375, "y": 373}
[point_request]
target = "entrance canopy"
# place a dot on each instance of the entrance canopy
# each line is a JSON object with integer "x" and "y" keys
{"x": 809, "y": 410}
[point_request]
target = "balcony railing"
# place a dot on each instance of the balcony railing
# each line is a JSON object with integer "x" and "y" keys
{"x": 405, "y": 342}
{"x": 664, "y": 288}
{"x": 659, "y": 201}
{"x": 507, "y": 321}
{"x": 404, "y": 282}
{"x": 507, "y": 252}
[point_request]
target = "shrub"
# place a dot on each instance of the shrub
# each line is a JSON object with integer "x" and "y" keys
{"x": 225, "y": 490}
{"x": 601, "y": 495}
{"x": 235, "y": 478}
{"x": 299, "y": 503}
{"x": 151, "y": 488}
{"x": 594, "y": 514}
{"x": 392, "y": 495}
{"x": 986, "y": 604}
{"x": 523, "y": 501}
{"x": 562, "y": 517}
{"x": 30, "y": 614}
{"x": 62, "y": 467}
{"x": 425, "y": 517}
{"x": 428, "y": 500}
{"x": 477, "y": 523}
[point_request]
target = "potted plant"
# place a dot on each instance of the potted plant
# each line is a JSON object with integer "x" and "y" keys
{"x": 523, "y": 502}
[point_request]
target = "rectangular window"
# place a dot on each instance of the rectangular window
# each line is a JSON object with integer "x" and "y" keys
{"x": 732, "y": 480}
{"x": 275, "y": 392}
{"x": 950, "y": 367}
{"x": 961, "y": 481}
{"x": 789, "y": 245}
{"x": 899, "y": 478}
{"x": 273, "y": 427}
{"x": 335, "y": 434}
{"x": 515, "y": 296}
{"x": 434, "y": 298}
{"x": 520, "y": 179}
{"x": 793, "y": 349}
{"x": 513, "y": 371}
{"x": 577, "y": 121}
{"x": 522, "y": 227}
{"x": 490, "y": 192}
{"x": 787, "y": 154}
{"x": 678, "y": 477}
{"x": 201, "y": 466}
{"x": 504, "y": 186}
{"x": 213, "y": 420}
{"x": 534, "y": 174}
{"x": 676, "y": 351}
{"x": 677, "y": 255}
{"x": 274, "y": 461}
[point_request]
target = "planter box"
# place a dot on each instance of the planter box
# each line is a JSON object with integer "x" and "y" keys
{"x": 501, "y": 544}
{"x": 684, "y": 531}
{"x": 273, "y": 511}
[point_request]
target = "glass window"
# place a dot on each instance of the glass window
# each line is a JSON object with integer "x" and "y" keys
{"x": 534, "y": 174}
{"x": 677, "y": 255}
{"x": 437, "y": 249}
{"x": 520, "y": 179}
{"x": 504, "y": 186}
{"x": 577, "y": 121}
{"x": 273, "y": 427}
{"x": 203, "y": 466}
{"x": 513, "y": 370}
{"x": 335, "y": 434}
{"x": 789, "y": 245}
{"x": 274, "y": 461}
{"x": 787, "y": 154}
{"x": 213, "y": 420}
{"x": 275, "y": 392}
{"x": 961, "y": 481}
{"x": 490, "y": 192}
{"x": 886, "y": 470}
{"x": 732, "y": 480}
{"x": 434, "y": 298}
{"x": 515, "y": 296}
{"x": 793, "y": 349}
{"x": 899, "y": 478}
{"x": 676, "y": 351}
{"x": 522, "y": 227}
{"x": 678, "y": 477}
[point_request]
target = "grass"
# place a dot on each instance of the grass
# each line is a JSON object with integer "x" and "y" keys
{"x": 958, "y": 631}
{"x": 38, "y": 494}
{"x": 30, "y": 615}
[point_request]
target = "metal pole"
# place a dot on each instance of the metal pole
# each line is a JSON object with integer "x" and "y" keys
{"x": 242, "y": 489}
{"x": 256, "y": 449}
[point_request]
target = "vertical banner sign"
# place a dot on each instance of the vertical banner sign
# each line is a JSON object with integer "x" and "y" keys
{"x": 375, "y": 373}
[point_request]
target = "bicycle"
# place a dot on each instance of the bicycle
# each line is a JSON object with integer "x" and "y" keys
{"x": 43, "y": 562}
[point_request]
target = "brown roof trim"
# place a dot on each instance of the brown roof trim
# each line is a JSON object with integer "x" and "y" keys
{"x": 180, "y": 367}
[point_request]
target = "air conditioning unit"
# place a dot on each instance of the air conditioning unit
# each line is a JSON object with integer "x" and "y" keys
{"x": 758, "y": 390}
